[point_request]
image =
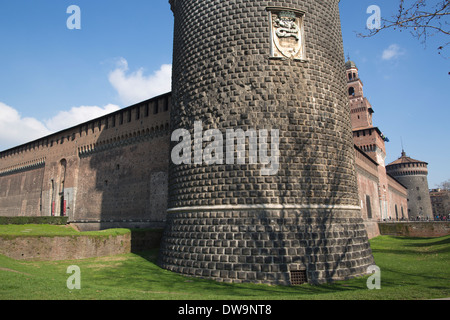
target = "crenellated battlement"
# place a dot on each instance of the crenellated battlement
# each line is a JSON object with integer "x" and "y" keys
{"x": 61, "y": 172}
{"x": 146, "y": 120}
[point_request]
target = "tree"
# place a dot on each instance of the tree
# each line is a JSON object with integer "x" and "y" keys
{"x": 445, "y": 185}
{"x": 422, "y": 18}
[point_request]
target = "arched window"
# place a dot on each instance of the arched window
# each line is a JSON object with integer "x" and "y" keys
{"x": 351, "y": 91}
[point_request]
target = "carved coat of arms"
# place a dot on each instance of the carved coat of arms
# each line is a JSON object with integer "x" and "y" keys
{"x": 287, "y": 35}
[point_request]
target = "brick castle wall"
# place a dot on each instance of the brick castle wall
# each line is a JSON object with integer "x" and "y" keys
{"x": 416, "y": 229}
{"x": 107, "y": 172}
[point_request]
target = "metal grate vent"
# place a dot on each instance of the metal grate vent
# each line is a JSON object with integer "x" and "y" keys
{"x": 298, "y": 277}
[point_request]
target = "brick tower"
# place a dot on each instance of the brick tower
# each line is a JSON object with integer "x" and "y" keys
{"x": 413, "y": 174}
{"x": 366, "y": 136}
{"x": 245, "y": 67}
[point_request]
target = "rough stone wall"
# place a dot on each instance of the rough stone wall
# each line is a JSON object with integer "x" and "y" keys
{"x": 228, "y": 222}
{"x": 225, "y": 78}
{"x": 265, "y": 246}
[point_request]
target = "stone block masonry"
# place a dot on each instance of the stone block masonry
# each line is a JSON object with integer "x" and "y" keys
{"x": 228, "y": 222}
{"x": 266, "y": 245}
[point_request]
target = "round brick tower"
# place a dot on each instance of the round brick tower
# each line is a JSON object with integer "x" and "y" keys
{"x": 279, "y": 205}
{"x": 413, "y": 174}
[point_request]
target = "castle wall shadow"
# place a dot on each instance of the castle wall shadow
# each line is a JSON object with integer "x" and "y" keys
{"x": 123, "y": 177}
{"x": 108, "y": 172}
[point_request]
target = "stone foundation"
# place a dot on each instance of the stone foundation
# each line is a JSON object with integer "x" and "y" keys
{"x": 64, "y": 247}
{"x": 415, "y": 229}
{"x": 42, "y": 248}
{"x": 372, "y": 228}
{"x": 265, "y": 246}
{"x": 94, "y": 225}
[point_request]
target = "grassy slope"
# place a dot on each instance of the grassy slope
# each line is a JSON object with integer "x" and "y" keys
{"x": 52, "y": 230}
{"x": 410, "y": 269}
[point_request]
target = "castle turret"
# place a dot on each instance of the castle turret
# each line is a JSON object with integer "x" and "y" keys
{"x": 366, "y": 136}
{"x": 413, "y": 174}
{"x": 262, "y": 185}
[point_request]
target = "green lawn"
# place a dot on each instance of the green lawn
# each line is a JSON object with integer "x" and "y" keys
{"x": 40, "y": 230}
{"x": 410, "y": 269}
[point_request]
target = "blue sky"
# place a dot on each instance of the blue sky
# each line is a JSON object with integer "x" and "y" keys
{"x": 52, "y": 77}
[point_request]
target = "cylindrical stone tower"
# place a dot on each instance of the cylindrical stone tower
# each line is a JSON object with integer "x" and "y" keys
{"x": 413, "y": 175}
{"x": 278, "y": 204}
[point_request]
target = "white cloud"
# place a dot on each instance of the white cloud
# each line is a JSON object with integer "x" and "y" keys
{"x": 392, "y": 52}
{"x": 134, "y": 87}
{"x": 16, "y": 130}
{"x": 77, "y": 115}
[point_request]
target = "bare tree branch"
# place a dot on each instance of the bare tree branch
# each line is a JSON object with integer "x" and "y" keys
{"x": 445, "y": 185}
{"x": 423, "y": 18}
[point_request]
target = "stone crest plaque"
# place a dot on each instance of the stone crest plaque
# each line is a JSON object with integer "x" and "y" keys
{"x": 286, "y": 34}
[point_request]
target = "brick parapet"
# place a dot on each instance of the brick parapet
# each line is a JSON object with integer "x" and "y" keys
{"x": 153, "y": 117}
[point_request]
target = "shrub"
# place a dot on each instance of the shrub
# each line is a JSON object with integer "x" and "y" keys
{"x": 34, "y": 220}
